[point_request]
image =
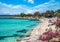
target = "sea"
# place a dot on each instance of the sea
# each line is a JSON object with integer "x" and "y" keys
{"x": 12, "y": 29}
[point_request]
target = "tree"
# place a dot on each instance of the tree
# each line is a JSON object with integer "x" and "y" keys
{"x": 58, "y": 13}
{"x": 37, "y": 14}
{"x": 49, "y": 13}
{"x": 29, "y": 15}
{"x": 22, "y": 15}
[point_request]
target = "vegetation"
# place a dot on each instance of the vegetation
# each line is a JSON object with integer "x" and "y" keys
{"x": 58, "y": 12}
{"x": 58, "y": 24}
{"x": 48, "y": 13}
{"x": 49, "y": 35}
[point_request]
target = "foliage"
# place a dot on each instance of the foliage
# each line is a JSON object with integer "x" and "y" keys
{"x": 48, "y": 13}
{"x": 49, "y": 35}
{"x": 22, "y": 14}
{"x": 58, "y": 25}
{"x": 58, "y": 12}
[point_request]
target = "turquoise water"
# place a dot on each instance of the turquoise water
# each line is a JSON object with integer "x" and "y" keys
{"x": 13, "y": 29}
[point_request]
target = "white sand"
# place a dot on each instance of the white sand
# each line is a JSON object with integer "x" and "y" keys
{"x": 38, "y": 30}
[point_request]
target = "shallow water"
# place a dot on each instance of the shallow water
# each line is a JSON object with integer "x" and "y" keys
{"x": 9, "y": 28}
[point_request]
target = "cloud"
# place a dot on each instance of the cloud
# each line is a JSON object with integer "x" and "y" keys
{"x": 11, "y": 9}
{"x": 31, "y": 1}
{"x": 17, "y": 9}
{"x": 51, "y": 5}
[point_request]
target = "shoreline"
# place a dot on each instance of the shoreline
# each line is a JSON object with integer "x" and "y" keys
{"x": 21, "y": 18}
{"x": 38, "y": 30}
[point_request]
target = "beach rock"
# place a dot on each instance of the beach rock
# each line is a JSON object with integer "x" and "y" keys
{"x": 6, "y": 36}
{"x": 18, "y": 35}
{"x": 27, "y": 35}
{"x": 1, "y": 38}
{"x": 23, "y": 31}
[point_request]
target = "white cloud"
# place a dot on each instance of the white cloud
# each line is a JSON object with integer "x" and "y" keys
{"x": 31, "y": 1}
{"x": 16, "y": 9}
{"x": 51, "y": 5}
{"x": 11, "y": 9}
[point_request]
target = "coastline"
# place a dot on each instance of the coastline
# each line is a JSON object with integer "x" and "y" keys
{"x": 38, "y": 30}
{"x": 20, "y": 18}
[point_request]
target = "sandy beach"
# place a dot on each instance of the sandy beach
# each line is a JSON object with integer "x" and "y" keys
{"x": 38, "y": 30}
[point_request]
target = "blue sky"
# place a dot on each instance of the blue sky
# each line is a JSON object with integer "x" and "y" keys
{"x": 27, "y": 6}
{"x": 24, "y": 2}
